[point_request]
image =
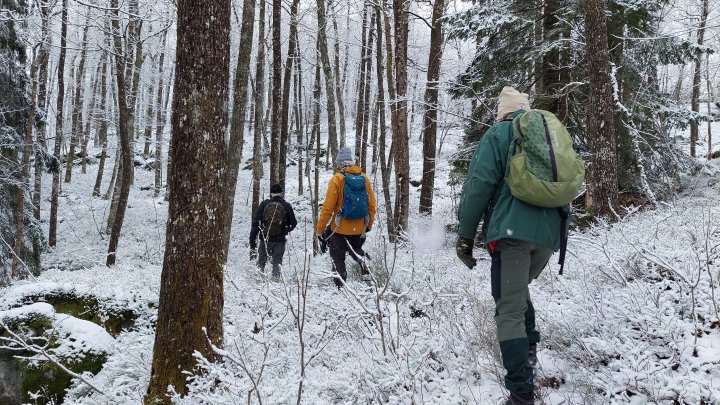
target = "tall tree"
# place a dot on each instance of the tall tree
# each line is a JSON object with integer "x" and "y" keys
{"x": 124, "y": 175}
{"x": 287, "y": 78}
{"x": 258, "y": 126}
{"x": 77, "y": 116}
{"x": 385, "y": 164}
{"x": 400, "y": 128}
{"x": 42, "y": 76}
{"x": 695, "y": 99}
{"x": 102, "y": 129}
{"x": 237, "y": 122}
{"x": 339, "y": 83}
{"x": 160, "y": 119}
{"x": 55, "y": 193}
{"x": 190, "y": 311}
{"x": 327, "y": 71}
{"x": 602, "y": 183}
{"x": 276, "y": 93}
{"x": 431, "y": 109}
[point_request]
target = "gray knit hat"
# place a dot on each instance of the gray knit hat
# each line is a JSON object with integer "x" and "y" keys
{"x": 344, "y": 157}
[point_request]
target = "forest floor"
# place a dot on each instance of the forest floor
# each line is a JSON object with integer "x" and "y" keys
{"x": 634, "y": 319}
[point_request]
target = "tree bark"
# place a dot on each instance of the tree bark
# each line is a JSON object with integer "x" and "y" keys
{"x": 277, "y": 89}
{"x": 237, "y": 122}
{"x": 42, "y": 76}
{"x": 92, "y": 117}
{"x": 23, "y": 187}
{"x": 362, "y": 78}
{"x": 710, "y": 98}
{"x": 695, "y": 100}
{"x": 316, "y": 138}
{"x": 102, "y": 129}
{"x": 160, "y": 121}
{"x": 125, "y": 167}
{"x": 431, "y": 109}
{"x": 55, "y": 193}
{"x": 339, "y": 84}
{"x": 602, "y": 183}
{"x": 327, "y": 71}
{"x": 299, "y": 117}
{"x": 367, "y": 63}
{"x": 385, "y": 168}
{"x": 149, "y": 120}
{"x": 77, "y": 116}
{"x": 259, "y": 107}
{"x": 400, "y": 129}
{"x": 285, "y": 109}
{"x": 190, "y": 310}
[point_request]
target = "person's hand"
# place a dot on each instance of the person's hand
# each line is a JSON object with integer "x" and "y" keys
{"x": 463, "y": 249}
{"x": 253, "y": 253}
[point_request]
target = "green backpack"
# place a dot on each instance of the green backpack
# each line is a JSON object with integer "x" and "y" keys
{"x": 543, "y": 168}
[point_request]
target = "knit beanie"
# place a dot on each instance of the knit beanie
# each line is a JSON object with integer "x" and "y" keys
{"x": 344, "y": 158}
{"x": 511, "y": 100}
{"x": 276, "y": 189}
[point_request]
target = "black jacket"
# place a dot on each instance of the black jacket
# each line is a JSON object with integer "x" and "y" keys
{"x": 257, "y": 222}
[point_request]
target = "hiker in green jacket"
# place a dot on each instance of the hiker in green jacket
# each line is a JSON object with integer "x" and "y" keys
{"x": 520, "y": 237}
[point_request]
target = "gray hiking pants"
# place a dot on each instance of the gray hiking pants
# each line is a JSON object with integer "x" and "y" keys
{"x": 275, "y": 251}
{"x": 515, "y": 264}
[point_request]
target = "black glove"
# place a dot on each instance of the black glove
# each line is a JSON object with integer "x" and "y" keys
{"x": 464, "y": 248}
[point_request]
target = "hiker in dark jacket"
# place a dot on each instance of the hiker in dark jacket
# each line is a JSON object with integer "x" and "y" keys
{"x": 272, "y": 221}
{"x": 347, "y": 236}
{"x": 520, "y": 237}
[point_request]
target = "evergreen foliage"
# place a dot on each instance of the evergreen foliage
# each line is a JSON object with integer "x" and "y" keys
{"x": 517, "y": 45}
{"x": 14, "y": 103}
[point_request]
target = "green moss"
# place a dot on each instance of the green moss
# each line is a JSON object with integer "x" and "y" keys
{"x": 88, "y": 308}
{"x": 49, "y": 380}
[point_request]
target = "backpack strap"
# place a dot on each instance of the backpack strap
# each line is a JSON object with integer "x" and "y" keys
{"x": 563, "y": 237}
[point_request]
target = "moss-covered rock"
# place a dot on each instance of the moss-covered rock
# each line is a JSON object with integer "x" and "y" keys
{"x": 31, "y": 376}
{"x": 88, "y": 307}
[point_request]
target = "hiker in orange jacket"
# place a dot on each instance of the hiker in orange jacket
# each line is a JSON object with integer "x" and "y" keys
{"x": 350, "y": 218}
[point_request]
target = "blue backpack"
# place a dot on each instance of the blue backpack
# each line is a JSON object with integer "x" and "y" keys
{"x": 355, "y": 197}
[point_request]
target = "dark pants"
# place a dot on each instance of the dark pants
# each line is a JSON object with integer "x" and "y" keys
{"x": 340, "y": 245}
{"x": 515, "y": 264}
{"x": 273, "y": 250}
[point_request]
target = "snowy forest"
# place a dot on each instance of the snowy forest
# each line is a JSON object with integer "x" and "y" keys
{"x": 142, "y": 141}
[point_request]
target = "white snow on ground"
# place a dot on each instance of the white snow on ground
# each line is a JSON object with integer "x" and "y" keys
{"x": 633, "y": 320}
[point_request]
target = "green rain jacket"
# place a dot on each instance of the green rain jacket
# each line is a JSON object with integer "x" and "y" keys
{"x": 486, "y": 195}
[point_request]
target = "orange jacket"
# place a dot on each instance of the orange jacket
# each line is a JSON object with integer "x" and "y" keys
{"x": 334, "y": 201}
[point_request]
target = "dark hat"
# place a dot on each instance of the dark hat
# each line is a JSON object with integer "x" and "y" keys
{"x": 276, "y": 189}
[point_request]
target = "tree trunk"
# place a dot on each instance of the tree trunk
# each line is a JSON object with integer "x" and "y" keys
{"x": 339, "y": 84}
{"x": 102, "y": 129}
{"x": 602, "y": 183}
{"x": 149, "y": 120}
{"x": 190, "y": 311}
{"x": 695, "y": 100}
{"x": 23, "y": 187}
{"x": 327, "y": 71}
{"x": 299, "y": 117}
{"x": 77, "y": 116}
{"x": 55, "y": 193}
{"x": 42, "y": 76}
{"x": 400, "y": 129}
{"x": 430, "y": 117}
{"x": 316, "y": 137}
{"x": 285, "y": 109}
{"x": 359, "y": 104}
{"x": 125, "y": 166}
{"x": 237, "y": 122}
{"x": 259, "y": 107}
{"x": 276, "y": 131}
{"x": 385, "y": 168}
{"x": 710, "y": 98}
{"x": 160, "y": 121}
{"x": 367, "y": 63}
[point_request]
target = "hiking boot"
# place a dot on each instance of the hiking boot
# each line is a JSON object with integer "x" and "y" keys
{"x": 532, "y": 355}
{"x": 365, "y": 276}
{"x": 517, "y": 398}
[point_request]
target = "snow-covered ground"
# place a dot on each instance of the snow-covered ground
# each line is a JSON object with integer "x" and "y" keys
{"x": 634, "y": 319}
